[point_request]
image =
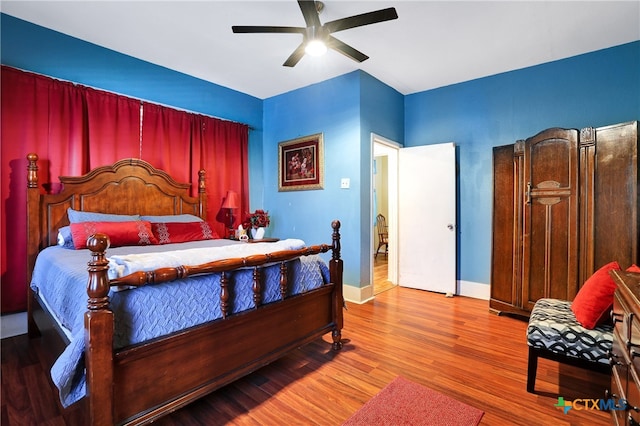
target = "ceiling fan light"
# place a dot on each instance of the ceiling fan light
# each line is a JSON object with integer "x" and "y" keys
{"x": 316, "y": 48}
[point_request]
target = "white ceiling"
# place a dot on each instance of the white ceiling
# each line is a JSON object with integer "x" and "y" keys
{"x": 432, "y": 43}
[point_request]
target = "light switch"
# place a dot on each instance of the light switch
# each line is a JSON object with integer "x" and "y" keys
{"x": 345, "y": 183}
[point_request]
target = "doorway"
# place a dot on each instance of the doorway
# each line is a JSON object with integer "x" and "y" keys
{"x": 384, "y": 201}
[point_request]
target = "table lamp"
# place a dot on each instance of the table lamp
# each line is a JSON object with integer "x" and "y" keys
{"x": 231, "y": 202}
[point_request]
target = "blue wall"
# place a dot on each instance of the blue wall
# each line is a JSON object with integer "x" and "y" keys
{"x": 330, "y": 108}
{"x": 594, "y": 89}
{"x": 341, "y": 109}
{"x": 346, "y": 110}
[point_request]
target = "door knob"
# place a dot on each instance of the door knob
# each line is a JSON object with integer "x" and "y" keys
{"x": 450, "y": 227}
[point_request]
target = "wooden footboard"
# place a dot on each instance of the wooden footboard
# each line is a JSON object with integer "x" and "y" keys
{"x": 140, "y": 383}
{"x": 217, "y": 355}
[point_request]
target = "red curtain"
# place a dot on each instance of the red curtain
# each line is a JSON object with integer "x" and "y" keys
{"x": 224, "y": 154}
{"x": 184, "y": 143}
{"x": 113, "y": 128}
{"x": 166, "y": 142}
{"x": 74, "y": 128}
{"x": 46, "y": 118}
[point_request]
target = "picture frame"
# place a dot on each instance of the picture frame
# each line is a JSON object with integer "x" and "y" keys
{"x": 301, "y": 163}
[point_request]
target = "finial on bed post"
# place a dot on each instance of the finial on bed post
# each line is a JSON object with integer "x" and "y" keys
{"x": 202, "y": 194}
{"x": 32, "y": 170}
{"x": 201, "y": 185}
{"x": 336, "y": 239}
{"x": 98, "y": 285}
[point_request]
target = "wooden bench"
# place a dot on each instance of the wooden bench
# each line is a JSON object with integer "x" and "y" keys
{"x": 554, "y": 333}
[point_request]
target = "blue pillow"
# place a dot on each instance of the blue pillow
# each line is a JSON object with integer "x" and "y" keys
{"x": 176, "y": 218}
{"x": 76, "y": 216}
{"x": 65, "y": 239}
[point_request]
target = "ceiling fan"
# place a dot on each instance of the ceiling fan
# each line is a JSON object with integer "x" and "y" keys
{"x": 318, "y": 36}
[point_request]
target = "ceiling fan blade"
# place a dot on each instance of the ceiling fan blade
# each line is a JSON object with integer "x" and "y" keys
{"x": 360, "y": 20}
{"x": 346, "y": 50}
{"x": 310, "y": 13}
{"x": 266, "y": 29}
{"x": 295, "y": 57}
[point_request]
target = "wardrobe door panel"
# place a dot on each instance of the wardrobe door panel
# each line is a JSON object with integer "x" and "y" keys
{"x": 551, "y": 265}
{"x": 615, "y": 211}
{"x": 550, "y": 224}
{"x": 505, "y": 291}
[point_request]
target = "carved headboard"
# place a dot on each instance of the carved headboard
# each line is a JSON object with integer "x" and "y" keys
{"x": 129, "y": 186}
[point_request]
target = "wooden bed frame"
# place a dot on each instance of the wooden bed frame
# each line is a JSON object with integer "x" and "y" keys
{"x": 139, "y": 383}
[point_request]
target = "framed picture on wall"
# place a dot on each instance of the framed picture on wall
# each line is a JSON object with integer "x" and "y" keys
{"x": 301, "y": 164}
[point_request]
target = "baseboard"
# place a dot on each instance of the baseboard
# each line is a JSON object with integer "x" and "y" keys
{"x": 13, "y": 325}
{"x": 474, "y": 290}
{"x": 357, "y": 295}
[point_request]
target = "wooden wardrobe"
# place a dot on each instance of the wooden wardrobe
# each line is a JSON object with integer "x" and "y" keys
{"x": 565, "y": 203}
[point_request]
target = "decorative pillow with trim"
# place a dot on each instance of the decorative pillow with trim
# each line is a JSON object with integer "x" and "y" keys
{"x": 133, "y": 233}
{"x": 76, "y": 216}
{"x": 595, "y": 298}
{"x": 180, "y": 232}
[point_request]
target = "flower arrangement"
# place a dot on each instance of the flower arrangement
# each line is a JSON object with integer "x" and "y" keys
{"x": 257, "y": 219}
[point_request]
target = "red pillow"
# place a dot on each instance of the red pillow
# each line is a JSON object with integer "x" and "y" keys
{"x": 133, "y": 233}
{"x": 634, "y": 268}
{"x": 595, "y": 297}
{"x": 178, "y": 232}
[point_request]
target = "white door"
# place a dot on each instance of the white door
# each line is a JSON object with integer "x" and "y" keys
{"x": 427, "y": 218}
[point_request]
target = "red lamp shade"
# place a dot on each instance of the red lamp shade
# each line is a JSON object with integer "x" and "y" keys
{"x": 231, "y": 201}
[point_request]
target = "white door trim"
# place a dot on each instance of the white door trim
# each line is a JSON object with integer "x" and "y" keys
{"x": 383, "y": 146}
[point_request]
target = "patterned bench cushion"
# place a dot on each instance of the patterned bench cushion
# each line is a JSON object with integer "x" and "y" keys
{"x": 553, "y": 326}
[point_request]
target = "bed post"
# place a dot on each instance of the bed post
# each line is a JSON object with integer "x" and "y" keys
{"x": 98, "y": 325}
{"x": 33, "y": 235}
{"x": 335, "y": 270}
{"x": 202, "y": 195}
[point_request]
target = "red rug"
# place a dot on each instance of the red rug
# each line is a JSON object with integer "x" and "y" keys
{"x": 403, "y": 402}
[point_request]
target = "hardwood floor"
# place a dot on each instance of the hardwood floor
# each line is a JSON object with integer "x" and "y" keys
{"x": 380, "y": 274}
{"x": 452, "y": 345}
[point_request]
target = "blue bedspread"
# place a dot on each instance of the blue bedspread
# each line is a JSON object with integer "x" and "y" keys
{"x": 60, "y": 278}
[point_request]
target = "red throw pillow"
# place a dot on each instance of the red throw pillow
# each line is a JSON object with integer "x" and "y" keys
{"x": 595, "y": 297}
{"x": 634, "y": 268}
{"x": 134, "y": 233}
{"x": 178, "y": 232}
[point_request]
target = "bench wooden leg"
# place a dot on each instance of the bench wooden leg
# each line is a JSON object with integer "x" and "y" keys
{"x": 532, "y": 369}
